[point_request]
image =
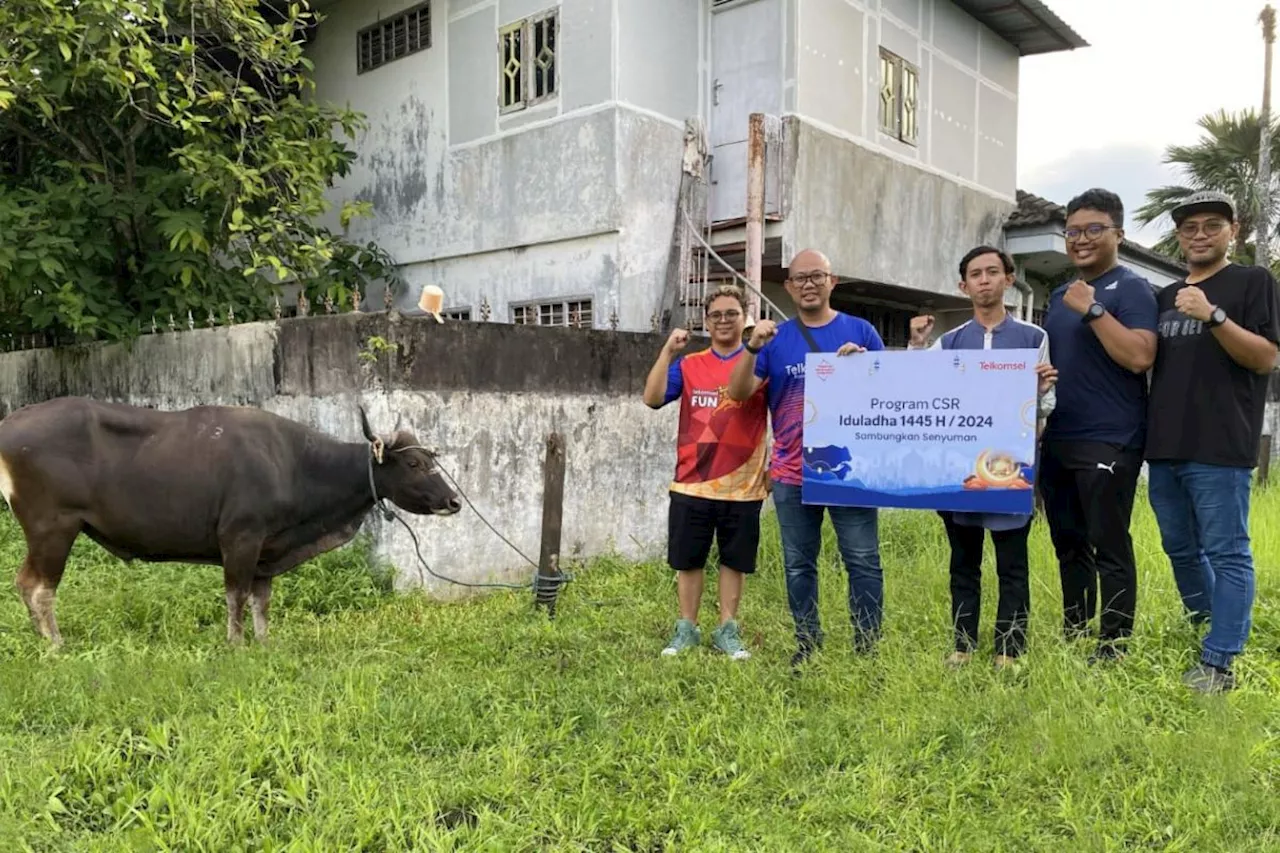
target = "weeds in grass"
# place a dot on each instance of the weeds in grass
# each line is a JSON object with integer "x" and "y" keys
{"x": 378, "y": 721}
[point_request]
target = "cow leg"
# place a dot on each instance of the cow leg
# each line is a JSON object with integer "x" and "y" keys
{"x": 40, "y": 575}
{"x": 260, "y": 600}
{"x": 239, "y": 565}
{"x": 237, "y": 594}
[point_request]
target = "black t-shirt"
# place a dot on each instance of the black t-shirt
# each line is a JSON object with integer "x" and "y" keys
{"x": 1203, "y": 406}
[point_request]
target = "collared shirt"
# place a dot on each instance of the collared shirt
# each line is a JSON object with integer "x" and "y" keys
{"x": 1009, "y": 333}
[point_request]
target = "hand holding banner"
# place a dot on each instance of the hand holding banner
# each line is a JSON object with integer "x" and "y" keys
{"x": 936, "y": 429}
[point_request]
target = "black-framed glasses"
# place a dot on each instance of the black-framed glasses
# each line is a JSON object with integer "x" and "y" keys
{"x": 1093, "y": 231}
{"x": 1211, "y": 228}
{"x": 730, "y": 315}
{"x": 817, "y": 277}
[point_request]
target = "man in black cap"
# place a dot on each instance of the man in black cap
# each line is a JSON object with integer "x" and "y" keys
{"x": 1218, "y": 332}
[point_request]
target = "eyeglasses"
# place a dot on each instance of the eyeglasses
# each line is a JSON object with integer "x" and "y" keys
{"x": 1093, "y": 231}
{"x": 818, "y": 277}
{"x": 717, "y": 316}
{"x": 1211, "y": 228}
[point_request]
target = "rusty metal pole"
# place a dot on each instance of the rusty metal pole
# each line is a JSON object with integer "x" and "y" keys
{"x": 755, "y": 210}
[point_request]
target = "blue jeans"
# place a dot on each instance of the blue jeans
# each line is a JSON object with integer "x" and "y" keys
{"x": 858, "y": 537}
{"x": 1203, "y": 513}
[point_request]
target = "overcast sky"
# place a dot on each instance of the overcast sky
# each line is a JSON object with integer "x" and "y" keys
{"x": 1103, "y": 115}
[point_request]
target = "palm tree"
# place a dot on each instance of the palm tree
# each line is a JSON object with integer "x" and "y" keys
{"x": 1224, "y": 159}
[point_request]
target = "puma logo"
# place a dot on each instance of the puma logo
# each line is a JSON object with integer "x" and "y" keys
{"x": 1110, "y": 469}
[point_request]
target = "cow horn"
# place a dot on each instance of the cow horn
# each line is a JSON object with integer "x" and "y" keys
{"x": 364, "y": 425}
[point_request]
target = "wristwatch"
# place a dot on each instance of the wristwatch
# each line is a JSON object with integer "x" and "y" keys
{"x": 1216, "y": 317}
{"x": 753, "y": 350}
{"x": 1094, "y": 312}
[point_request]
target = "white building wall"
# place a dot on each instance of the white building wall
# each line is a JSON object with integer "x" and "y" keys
{"x": 967, "y": 100}
{"x": 660, "y": 56}
{"x": 527, "y": 205}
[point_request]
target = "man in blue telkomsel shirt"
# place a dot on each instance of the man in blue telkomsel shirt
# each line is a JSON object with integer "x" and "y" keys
{"x": 985, "y": 274}
{"x": 1102, "y": 329}
{"x": 777, "y": 353}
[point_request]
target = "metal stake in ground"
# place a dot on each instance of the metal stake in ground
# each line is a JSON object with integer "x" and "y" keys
{"x": 547, "y": 584}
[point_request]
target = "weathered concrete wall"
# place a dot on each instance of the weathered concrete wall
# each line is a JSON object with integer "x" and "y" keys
{"x": 485, "y": 395}
{"x": 880, "y": 219}
{"x": 572, "y": 198}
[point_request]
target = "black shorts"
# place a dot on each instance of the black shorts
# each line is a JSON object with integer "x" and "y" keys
{"x": 693, "y": 523}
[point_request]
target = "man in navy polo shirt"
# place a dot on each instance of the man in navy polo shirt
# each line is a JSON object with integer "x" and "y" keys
{"x": 1102, "y": 332}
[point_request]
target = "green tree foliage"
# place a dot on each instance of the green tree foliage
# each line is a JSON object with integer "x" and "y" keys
{"x": 160, "y": 157}
{"x": 1225, "y": 158}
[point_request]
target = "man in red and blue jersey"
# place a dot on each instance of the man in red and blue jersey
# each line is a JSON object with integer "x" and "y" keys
{"x": 774, "y": 359}
{"x": 720, "y": 483}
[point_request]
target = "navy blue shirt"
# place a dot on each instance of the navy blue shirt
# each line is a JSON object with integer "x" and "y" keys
{"x": 1097, "y": 399}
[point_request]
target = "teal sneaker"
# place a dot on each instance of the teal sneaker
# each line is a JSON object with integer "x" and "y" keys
{"x": 728, "y": 639}
{"x": 685, "y": 637}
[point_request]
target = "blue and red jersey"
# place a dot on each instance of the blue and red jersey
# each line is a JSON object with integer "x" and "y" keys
{"x": 720, "y": 447}
{"x": 781, "y": 364}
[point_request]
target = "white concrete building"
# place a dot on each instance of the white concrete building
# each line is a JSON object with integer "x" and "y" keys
{"x": 527, "y": 155}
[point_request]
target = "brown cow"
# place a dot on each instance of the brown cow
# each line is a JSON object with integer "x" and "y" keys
{"x": 236, "y": 487}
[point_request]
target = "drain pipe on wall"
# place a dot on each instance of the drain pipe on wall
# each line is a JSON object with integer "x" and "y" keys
{"x": 755, "y": 212}
{"x": 1028, "y": 295}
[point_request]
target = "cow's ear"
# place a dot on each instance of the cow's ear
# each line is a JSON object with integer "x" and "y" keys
{"x": 364, "y": 425}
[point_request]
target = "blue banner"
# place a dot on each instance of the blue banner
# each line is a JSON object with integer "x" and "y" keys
{"x": 934, "y": 429}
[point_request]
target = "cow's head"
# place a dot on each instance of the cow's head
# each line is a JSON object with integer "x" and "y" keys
{"x": 406, "y": 473}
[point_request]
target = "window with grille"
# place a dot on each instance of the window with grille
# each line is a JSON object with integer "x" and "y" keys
{"x": 394, "y": 38}
{"x": 463, "y": 314}
{"x": 528, "y": 72}
{"x": 574, "y": 313}
{"x": 899, "y": 97}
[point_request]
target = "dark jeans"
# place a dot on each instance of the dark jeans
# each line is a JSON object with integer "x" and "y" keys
{"x": 1088, "y": 490}
{"x": 857, "y": 535}
{"x": 1203, "y": 514}
{"x": 966, "y": 585}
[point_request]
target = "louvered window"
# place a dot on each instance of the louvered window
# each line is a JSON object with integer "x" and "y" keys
{"x": 394, "y": 38}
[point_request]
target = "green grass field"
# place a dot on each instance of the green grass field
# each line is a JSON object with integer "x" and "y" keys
{"x": 385, "y": 722}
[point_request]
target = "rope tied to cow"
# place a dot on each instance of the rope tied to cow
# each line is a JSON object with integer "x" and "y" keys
{"x": 546, "y": 587}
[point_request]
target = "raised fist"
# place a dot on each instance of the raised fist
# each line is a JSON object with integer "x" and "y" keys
{"x": 1079, "y": 296}
{"x": 677, "y": 340}
{"x": 1192, "y": 302}
{"x": 763, "y": 332}
{"x": 921, "y": 326}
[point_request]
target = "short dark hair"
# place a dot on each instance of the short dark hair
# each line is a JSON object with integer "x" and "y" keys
{"x": 1103, "y": 201}
{"x": 724, "y": 291}
{"x": 978, "y": 252}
